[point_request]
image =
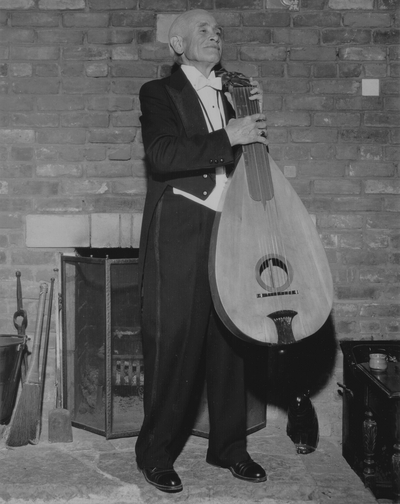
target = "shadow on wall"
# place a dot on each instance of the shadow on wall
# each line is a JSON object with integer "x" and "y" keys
{"x": 278, "y": 373}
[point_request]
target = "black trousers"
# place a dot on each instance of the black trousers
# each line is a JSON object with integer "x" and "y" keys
{"x": 180, "y": 327}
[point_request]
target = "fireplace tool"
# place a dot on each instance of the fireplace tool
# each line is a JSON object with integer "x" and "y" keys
{"x": 20, "y": 363}
{"x": 60, "y": 427}
{"x": 43, "y": 364}
{"x": 25, "y": 420}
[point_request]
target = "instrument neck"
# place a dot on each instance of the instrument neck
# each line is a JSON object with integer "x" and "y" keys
{"x": 258, "y": 171}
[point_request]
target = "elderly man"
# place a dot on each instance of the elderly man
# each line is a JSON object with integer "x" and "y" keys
{"x": 192, "y": 142}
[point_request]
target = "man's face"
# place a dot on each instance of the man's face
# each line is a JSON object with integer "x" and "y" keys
{"x": 202, "y": 40}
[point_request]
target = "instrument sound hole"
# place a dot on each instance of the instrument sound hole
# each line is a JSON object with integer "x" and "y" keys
{"x": 274, "y": 273}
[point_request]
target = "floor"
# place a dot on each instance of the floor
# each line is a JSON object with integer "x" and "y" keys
{"x": 94, "y": 470}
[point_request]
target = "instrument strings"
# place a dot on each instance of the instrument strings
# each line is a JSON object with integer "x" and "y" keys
{"x": 260, "y": 187}
{"x": 260, "y": 160}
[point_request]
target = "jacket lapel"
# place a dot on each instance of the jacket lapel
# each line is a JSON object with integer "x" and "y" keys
{"x": 187, "y": 104}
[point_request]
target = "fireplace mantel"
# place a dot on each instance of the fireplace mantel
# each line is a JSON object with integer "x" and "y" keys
{"x": 97, "y": 230}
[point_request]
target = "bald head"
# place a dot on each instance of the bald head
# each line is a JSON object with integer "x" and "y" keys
{"x": 195, "y": 39}
{"x": 181, "y": 24}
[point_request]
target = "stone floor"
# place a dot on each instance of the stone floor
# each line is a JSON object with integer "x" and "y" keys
{"x": 94, "y": 470}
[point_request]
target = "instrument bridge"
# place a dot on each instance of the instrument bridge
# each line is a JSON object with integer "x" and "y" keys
{"x": 280, "y": 293}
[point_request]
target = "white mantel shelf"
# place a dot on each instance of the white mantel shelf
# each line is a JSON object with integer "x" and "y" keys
{"x": 99, "y": 230}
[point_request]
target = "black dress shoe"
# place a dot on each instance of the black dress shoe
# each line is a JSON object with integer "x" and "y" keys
{"x": 248, "y": 471}
{"x": 166, "y": 480}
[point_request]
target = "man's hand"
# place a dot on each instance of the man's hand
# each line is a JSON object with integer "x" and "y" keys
{"x": 252, "y": 128}
{"x": 247, "y": 130}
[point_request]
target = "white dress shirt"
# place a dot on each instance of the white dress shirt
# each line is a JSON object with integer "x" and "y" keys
{"x": 215, "y": 114}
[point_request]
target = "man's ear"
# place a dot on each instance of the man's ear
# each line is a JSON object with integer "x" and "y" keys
{"x": 176, "y": 43}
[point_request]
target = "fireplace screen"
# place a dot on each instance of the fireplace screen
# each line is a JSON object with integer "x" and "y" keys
{"x": 102, "y": 351}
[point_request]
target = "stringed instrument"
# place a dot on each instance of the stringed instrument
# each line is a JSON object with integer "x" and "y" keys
{"x": 269, "y": 274}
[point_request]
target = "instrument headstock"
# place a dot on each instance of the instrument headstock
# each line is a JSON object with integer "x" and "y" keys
{"x": 232, "y": 79}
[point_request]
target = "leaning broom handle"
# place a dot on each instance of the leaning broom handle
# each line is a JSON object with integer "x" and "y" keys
{"x": 58, "y": 383}
{"x": 46, "y": 338}
{"x": 33, "y": 370}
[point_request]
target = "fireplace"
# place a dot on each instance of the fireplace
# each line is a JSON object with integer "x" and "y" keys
{"x": 102, "y": 350}
{"x": 103, "y": 372}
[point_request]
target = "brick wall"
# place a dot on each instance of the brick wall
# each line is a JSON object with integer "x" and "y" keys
{"x": 71, "y": 164}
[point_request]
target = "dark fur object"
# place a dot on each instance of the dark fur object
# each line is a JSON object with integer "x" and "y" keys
{"x": 302, "y": 425}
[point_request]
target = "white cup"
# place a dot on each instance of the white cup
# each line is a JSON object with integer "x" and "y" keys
{"x": 378, "y": 361}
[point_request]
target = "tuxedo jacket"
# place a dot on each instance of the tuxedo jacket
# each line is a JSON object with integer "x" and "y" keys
{"x": 180, "y": 151}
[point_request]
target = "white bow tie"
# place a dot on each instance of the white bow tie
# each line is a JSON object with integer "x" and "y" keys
{"x": 215, "y": 83}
